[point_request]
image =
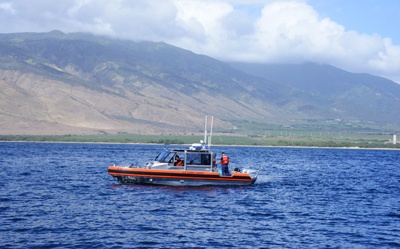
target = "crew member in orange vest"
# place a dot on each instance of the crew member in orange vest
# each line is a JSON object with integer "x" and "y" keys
{"x": 178, "y": 161}
{"x": 224, "y": 164}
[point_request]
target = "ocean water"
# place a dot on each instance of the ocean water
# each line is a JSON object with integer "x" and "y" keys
{"x": 59, "y": 195}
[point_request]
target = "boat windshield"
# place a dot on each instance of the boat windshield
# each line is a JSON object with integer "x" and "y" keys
{"x": 161, "y": 156}
{"x": 165, "y": 156}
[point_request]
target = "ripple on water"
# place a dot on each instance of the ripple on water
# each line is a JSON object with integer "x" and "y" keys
{"x": 60, "y": 196}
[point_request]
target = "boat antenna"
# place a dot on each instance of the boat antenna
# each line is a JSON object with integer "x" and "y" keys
{"x": 209, "y": 140}
{"x": 205, "y": 131}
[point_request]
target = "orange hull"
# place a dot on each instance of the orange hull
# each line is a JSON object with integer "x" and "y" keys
{"x": 177, "y": 177}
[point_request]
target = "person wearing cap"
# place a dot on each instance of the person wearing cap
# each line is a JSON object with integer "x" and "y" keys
{"x": 225, "y": 164}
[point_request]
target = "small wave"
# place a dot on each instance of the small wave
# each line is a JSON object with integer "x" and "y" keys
{"x": 396, "y": 215}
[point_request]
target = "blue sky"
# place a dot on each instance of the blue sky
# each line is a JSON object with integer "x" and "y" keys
{"x": 366, "y": 16}
{"x": 355, "y": 35}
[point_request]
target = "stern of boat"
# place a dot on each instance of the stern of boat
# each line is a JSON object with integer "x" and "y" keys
{"x": 253, "y": 173}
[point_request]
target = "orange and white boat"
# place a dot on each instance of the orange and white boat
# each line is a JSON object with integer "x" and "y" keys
{"x": 194, "y": 166}
{"x": 198, "y": 169}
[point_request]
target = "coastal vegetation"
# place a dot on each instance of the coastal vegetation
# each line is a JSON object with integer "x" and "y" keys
{"x": 334, "y": 140}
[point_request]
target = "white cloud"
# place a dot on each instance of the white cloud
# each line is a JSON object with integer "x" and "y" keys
{"x": 289, "y": 31}
{"x": 292, "y": 32}
{"x": 7, "y": 7}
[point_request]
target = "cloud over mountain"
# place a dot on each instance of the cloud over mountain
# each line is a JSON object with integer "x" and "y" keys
{"x": 252, "y": 31}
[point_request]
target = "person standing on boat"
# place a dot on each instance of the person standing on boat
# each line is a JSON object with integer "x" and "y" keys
{"x": 224, "y": 164}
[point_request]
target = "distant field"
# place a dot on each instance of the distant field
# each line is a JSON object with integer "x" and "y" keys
{"x": 270, "y": 139}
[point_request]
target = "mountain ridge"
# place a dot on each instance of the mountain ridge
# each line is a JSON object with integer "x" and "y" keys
{"x": 82, "y": 84}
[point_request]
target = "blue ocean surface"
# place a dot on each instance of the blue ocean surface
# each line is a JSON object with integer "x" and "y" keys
{"x": 59, "y": 195}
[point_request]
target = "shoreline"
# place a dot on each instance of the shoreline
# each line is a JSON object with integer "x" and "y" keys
{"x": 216, "y": 145}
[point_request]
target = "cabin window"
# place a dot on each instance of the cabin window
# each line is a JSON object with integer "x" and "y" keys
{"x": 205, "y": 159}
{"x": 198, "y": 159}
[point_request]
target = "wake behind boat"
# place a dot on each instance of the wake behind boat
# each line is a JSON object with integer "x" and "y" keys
{"x": 195, "y": 166}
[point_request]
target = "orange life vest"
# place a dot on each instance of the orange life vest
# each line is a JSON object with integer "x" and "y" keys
{"x": 179, "y": 163}
{"x": 224, "y": 159}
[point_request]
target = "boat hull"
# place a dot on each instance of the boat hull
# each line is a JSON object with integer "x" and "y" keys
{"x": 127, "y": 175}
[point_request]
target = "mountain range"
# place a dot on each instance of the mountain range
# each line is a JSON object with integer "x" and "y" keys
{"x": 78, "y": 83}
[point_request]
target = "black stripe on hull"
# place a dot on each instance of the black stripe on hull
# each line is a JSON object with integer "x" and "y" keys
{"x": 144, "y": 180}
